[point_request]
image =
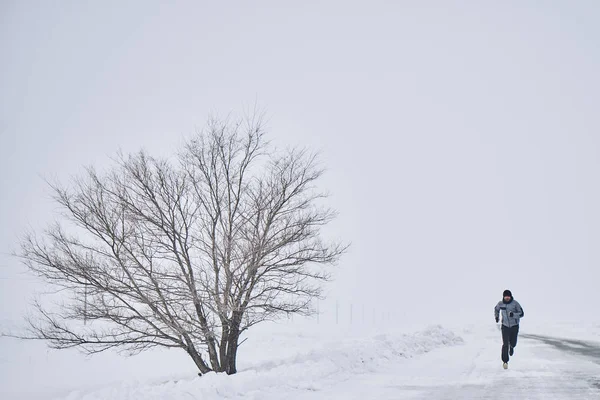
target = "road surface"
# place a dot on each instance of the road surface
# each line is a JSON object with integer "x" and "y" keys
{"x": 544, "y": 368}
{"x": 588, "y": 350}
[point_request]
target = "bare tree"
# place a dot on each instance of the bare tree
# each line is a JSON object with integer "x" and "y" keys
{"x": 186, "y": 254}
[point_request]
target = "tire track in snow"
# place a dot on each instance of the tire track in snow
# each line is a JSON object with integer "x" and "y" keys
{"x": 588, "y": 350}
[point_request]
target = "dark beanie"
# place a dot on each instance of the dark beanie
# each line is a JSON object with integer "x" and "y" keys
{"x": 507, "y": 293}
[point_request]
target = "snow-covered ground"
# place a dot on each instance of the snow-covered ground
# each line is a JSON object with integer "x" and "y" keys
{"x": 322, "y": 367}
{"x": 294, "y": 362}
{"x": 276, "y": 358}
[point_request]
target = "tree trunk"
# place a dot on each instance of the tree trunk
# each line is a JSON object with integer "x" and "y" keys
{"x": 210, "y": 339}
{"x": 198, "y": 360}
{"x": 230, "y": 366}
{"x": 232, "y": 347}
{"x": 223, "y": 344}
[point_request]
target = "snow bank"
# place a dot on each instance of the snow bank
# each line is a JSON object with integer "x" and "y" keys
{"x": 313, "y": 365}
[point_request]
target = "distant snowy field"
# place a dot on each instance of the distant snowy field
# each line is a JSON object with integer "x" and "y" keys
{"x": 568, "y": 330}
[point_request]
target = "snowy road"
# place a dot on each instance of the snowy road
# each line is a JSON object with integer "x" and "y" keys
{"x": 585, "y": 349}
{"x": 542, "y": 368}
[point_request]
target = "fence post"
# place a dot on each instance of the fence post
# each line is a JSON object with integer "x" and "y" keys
{"x": 363, "y": 314}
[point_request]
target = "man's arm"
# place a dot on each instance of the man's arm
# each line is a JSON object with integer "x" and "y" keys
{"x": 497, "y": 312}
{"x": 520, "y": 313}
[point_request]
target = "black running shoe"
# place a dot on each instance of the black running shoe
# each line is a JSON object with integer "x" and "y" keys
{"x": 511, "y": 350}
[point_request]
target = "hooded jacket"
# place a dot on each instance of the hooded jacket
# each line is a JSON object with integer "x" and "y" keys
{"x": 505, "y": 309}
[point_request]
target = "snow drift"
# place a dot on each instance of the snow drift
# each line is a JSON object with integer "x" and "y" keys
{"x": 313, "y": 365}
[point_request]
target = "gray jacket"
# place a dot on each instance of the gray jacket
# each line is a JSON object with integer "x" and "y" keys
{"x": 506, "y": 309}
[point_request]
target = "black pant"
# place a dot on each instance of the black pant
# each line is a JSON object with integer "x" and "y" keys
{"x": 509, "y": 338}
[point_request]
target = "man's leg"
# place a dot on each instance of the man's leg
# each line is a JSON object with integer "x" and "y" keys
{"x": 505, "y": 343}
{"x": 513, "y": 336}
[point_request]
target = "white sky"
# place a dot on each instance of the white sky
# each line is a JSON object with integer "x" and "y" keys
{"x": 461, "y": 138}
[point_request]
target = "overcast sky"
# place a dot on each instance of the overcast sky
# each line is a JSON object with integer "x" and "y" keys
{"x": 461, "y": 138}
